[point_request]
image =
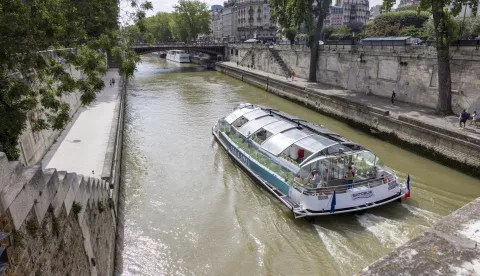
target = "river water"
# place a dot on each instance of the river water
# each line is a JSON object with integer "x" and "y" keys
{"x": 191, "y": 211}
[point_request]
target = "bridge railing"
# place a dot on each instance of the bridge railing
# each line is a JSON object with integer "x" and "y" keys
{"x": 180, "y": 44}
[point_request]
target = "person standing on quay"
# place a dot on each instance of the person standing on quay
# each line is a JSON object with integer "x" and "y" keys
{"x": 293, "y": 74}
{"x": 393, "y": 97}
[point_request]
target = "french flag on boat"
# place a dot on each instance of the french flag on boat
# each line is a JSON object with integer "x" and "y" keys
{"x": 334, "y": 202}
{"x": 407, "y": 194}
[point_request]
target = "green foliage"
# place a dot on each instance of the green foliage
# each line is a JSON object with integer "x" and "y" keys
{"x": 471, "y": 27}
{"x": 18, "y": 238}
{"x": 55, "y": 225}
{"x": 387, "y": 5}
{"x": 101, "y": 206}
{"x": 76, "y": 208}
{"x": 396, "y": 23}
{"x": 307, "y": 14}
{"x": 342, "y": 33}
{"x": 413, "y": 7}
{"x": 34, "y": 81}
{"x": 290, "y": 34}
{"x": 191, "y": 18}
{"x": 32, "y": 227}
{"x": 453, "y": 30}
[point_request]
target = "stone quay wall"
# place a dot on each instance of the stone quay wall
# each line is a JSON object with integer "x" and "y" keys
{"x": 409, "y": 70}
{"x": 60, "y": 223}
{"x": 453, "y": 149}
{"x": 450, "y": 247}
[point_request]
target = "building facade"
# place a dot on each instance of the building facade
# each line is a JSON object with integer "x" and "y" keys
{"x": 346, "y": 11}
{"x": 241, "y": 20}
{"x": 374, "y": 11}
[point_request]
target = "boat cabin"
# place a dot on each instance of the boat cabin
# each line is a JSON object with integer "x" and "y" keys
{"x": 302, "y": 153}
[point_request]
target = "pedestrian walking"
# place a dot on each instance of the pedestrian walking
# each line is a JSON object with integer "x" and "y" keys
{"x": 293, "y": 74}
{"x": 463, "y": 118}
{"x": 474, "y": 118}
{"x": 113, "y": 82}
{"x": 394, "y": 95}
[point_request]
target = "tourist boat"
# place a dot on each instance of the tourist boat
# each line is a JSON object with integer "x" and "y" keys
{"x": 178, "y": 56}
{"x": 306, "y": 166}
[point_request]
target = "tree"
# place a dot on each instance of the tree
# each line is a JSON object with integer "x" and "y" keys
{"x": 158, "y": 27}
{"x": 441, "y": 20}
{"x": 310, "y": 14}
{"x": 191, "y": 18}
{"x": 33, "y": 82}
{"x": 355, "y": 26}
{"x": 387, "y": 5}
{"x": 397, "y": 23}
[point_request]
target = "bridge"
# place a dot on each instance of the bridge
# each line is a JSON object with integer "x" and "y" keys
{"x": 215, "y": 49}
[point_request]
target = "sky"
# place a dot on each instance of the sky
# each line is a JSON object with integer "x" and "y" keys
{"x": 167, "y": 5}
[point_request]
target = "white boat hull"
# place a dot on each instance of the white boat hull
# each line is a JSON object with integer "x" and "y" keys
{"x": 180, "y": 58}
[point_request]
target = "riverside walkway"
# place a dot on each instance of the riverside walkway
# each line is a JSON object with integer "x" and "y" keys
{"x": 83, "y": 144}
{"x": 425, "y": 115}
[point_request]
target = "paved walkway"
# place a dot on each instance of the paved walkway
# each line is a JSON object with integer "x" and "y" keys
{"x": 82, "y": 145}
{"x": 424, "y": 114}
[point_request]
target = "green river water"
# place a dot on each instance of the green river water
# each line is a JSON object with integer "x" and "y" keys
{"x": 190, "y": 210}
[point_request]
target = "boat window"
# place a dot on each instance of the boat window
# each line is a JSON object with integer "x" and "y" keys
{"x": 278, "y": 143}
{"x": 237, "y": 113}
{"x": 254, "y": 125}
{"x": 278, "y": 127}
{"x": 260, "y": 136}
{"x": 295, "y": 154}
{"x": 240, "y": 122}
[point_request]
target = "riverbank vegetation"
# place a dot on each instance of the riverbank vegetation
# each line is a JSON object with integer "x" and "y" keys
{"x": 189, "y": 19}
{"x": 40, "y": 40}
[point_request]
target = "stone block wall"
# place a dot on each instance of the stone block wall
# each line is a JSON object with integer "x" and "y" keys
{"x": 60, "y": 223}
{"x": 410, "y": 71}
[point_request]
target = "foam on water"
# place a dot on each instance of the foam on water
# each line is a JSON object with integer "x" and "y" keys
{"x": 427, "y": 215}
{"x": 389, "y": 232}
{"x": 338, "y": 247}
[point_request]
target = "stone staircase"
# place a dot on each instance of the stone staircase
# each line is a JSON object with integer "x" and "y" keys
{"x": 250, "y": 53}
{"x": 286, "y": 70}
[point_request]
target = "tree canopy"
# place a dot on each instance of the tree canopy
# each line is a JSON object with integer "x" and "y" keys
{"x": 309, "y": 14}
{"x": 191, "y": 18}
{"x": 33, "y": 82}
{"x": 442, "y": 19}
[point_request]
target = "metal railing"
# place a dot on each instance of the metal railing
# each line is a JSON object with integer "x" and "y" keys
{"x": 370, "y": 183}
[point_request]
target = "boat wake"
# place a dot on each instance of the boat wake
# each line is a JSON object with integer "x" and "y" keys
{"x": 339, "y": 247}
{"x": 426, "y": 215}
{"x": 389, "y": 232}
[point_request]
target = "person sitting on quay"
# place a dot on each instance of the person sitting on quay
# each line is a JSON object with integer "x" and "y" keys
{"x": 463, "y": 118}
{"x": 474, "y": 118}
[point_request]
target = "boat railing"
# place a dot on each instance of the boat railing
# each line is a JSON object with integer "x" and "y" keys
{"x": 371, "y": 183}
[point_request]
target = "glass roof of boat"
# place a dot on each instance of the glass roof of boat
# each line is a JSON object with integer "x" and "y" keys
{"x": 256, "y": 124}
{"x": 278, "y": 127}
{"x": 315, "y": 143}
{"x": 279, "y": 142}
{"x": 255, "y": 114}
{"x": 238, "y": 113}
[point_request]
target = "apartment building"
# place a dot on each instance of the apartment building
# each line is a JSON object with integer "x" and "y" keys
{"x": 345, "y": 11}
{"x": 241, "y": 20}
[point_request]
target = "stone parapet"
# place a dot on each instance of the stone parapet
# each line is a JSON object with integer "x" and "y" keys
{"x": 29, "y": 195}
{"x": 450, "y": 247}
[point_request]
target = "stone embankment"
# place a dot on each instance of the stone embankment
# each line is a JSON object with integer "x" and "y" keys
{"x": 406, "y": 125}
{"x": 409, "y": 70}
{"x": 450, "y": 247}
{"x": 60, "y": 223}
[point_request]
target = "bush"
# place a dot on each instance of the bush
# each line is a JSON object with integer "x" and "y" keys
{"x": 395, "y": 23}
